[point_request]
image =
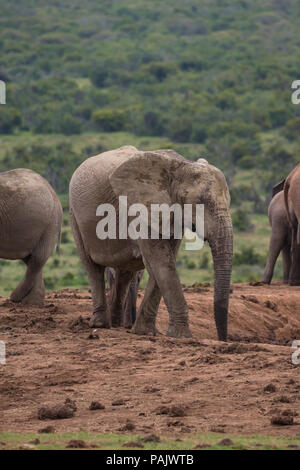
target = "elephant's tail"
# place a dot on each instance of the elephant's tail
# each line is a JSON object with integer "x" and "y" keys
{"x": 286, "y": 200}
{"x": 58, "y": 242}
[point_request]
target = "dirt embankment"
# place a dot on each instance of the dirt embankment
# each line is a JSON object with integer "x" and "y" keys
{"x": 160, "y": 384}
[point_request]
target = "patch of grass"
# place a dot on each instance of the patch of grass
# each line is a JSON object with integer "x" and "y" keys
{"x": 116, "y": 441}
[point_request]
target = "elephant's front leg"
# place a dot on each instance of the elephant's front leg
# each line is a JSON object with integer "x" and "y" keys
{"x": 161, "y": 257}
{"x": 146, "y": 315}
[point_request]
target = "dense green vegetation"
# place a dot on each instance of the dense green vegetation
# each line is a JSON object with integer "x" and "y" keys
{"x": 210, "y": 78}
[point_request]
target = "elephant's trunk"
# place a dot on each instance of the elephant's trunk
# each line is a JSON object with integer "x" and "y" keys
{"x": 221, "y": 243}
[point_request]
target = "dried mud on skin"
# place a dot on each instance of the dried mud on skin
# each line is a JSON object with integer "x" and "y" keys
{"x": 154, "y": 385}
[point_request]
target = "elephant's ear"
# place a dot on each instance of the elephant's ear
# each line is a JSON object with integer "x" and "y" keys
{"x": 144, "y": 178}
{"x": 277, "y": 188}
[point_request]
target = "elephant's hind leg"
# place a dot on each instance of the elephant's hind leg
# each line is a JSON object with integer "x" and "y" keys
{"x": 276, "y": 245}
{"x": 95, "y": 273}
{"x": 286, "y": 262}
{"x": 118, "y": 297}
{"x": 31, "y": 289}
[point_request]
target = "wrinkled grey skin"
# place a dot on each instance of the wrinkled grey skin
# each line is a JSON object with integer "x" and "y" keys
{"x": 281, "y": 239}
{"x": 30, "y": 218}
{"x": 153, "y": 177}
{"x": 129, "y": 307}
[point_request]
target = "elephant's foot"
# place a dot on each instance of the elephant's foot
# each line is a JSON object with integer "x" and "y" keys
{"x": 99, "y": 319}
{"x": 36, "y": 295}
{"x": 141, "y": 327}
{"x": 179, "y": 331}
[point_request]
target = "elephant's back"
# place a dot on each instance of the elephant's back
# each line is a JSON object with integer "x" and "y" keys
{"x": 103, "y": 164}
{"x": 90, "y": 181}
{"x": 22, "y": 181}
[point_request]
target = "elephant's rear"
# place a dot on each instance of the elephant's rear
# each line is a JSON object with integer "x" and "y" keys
{"x": 28, "y": 207}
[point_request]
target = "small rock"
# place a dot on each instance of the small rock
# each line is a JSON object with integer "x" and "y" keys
{"x": 283, "y": 399}
{"x": 226, "y": 442}
{"x": 128, "y": 426}
{"x": 271, "y": 388}
{"x": 118, "y": 402}
{"x": 55, "y": 412}
{"x": 281, "y": 420}
{"x": 77, "y": 444}
{"x": 95, "y": 405}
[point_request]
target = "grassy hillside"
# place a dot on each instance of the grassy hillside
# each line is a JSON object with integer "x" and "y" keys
{"x": 210, "y": 78}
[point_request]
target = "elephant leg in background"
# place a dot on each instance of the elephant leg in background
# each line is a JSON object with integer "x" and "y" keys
{"x": 119, "y": 295}
{"x": 286, "y": 262}
{"x": 160, "y": 260}
{"x": 294, "y": 279}
{"x": 31, "y": 289}
{"x": 275, "y": 247}
{"x": 130, "y": 303}
{"x": 95, "y": 273}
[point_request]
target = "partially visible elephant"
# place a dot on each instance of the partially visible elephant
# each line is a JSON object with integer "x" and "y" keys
{"x": 129, "y": 307}
{"x": 281, "y": 238}
{"x": 30, "y": 218}
{"x": 292, "y": 201}
{"x": 153, "y": 177}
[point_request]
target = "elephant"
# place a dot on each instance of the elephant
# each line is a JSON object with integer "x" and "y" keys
{"x": 281, "y": 238}
{"x": 129, "y": 307}
{"x": 292, "y": 205}
{"x": 31, "y": 218}
{"x": 149, "y": 178}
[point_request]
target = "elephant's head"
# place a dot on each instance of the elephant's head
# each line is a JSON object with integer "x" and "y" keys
{"x": 164, "y": 177}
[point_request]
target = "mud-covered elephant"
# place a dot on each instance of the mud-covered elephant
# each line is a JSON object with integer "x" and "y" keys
{"x": 150, "y": 177}
{"x": 129, "y": 307}
{"x": 281, "y": 238}
{"x": 292, "y": 204}
{"x": 30, "y": 226}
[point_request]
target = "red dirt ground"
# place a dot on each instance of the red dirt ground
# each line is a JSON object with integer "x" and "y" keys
{"x": 160, "y": 384}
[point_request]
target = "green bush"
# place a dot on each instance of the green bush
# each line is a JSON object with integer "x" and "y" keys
{"x": 10, "y": 119}
{"x": 110, "y": 120}
{"x": 241, "y": 221}
{"x": 247, "y": 256}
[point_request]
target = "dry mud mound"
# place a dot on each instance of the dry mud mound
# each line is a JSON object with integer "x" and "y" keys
{"x": 155, "y": 385}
